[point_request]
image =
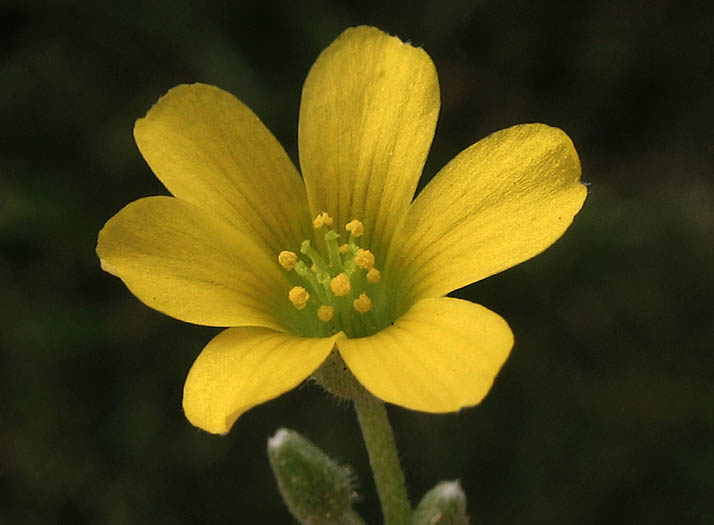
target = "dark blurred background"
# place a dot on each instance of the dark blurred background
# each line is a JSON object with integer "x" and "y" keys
{"x": 604, "y": 411}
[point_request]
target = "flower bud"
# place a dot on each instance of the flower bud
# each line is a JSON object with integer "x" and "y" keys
{"x": 314, "y": 487}
{"x": 445, "y": 504}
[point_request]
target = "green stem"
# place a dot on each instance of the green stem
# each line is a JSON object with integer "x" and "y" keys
{"x": 382, "y": 450}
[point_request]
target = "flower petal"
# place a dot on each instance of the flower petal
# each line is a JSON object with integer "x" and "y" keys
{"x": 501, "y": 201}
{"x": 190, "y": 264}
{"x": 367, "y": 117}
{"x": 440, "y": 356}
{"x": 243, "y": 367}
{"x": 210, "y": 149}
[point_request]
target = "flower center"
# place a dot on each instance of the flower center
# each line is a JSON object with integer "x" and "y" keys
{"x": 334, "y": 292}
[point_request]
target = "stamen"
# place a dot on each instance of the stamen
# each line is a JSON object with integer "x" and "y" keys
{"x": 374, "y": 275}
{"x": 334, "y": 275}
{"x": 340, "y": 285}
{"x": 355, "y": 227}
{"x": 325, "y": 313}
{"x": 364, "y": 259}
{"x": 299, "y": 297}
{"x": 287, "y": 259}
{"x": 322, "y": 220}
{"x": 313, "y": 279}
{"x": 363, "y": 303}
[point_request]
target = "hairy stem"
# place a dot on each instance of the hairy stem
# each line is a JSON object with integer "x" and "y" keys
{"x": 383, "y": 458}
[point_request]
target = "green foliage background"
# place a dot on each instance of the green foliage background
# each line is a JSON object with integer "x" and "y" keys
{"x": 603, "y": 413}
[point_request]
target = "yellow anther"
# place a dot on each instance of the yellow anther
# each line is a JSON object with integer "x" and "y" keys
{"x": 313, "y": 268}
{"x": 287, "y": 259}
{"x": 322, "y": 220}
{"x": 340, "y": 285}
{"x": 344, "y": 248}
{"x": 355, "y": 227}
{"x": 363, "y": 303}
{"x": 298, "y": 296}
{"x": 325, "y": 313}
{"x": 373, "y": 275}
{"x": 364, "y": 259}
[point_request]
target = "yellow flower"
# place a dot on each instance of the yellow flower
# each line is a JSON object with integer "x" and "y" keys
{"x": 244, "y": 242}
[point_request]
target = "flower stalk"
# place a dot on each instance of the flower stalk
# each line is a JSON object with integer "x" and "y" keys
{"x": 384, "y": 460}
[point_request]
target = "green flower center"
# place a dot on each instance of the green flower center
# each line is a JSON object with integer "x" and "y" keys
{"x": 337, "y": 291}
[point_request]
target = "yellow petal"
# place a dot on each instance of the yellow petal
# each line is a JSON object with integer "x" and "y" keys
{"x": 501, "y": 201}
{"x": 367, "y": 118}
{"x": 208, "y": 148}
{"x": 440, "y": 356}
{"x": 243, "y": 367}
{"x": 186, "y": 262}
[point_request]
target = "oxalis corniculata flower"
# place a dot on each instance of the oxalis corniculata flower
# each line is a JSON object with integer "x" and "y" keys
{"x": 343, "y": 257}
